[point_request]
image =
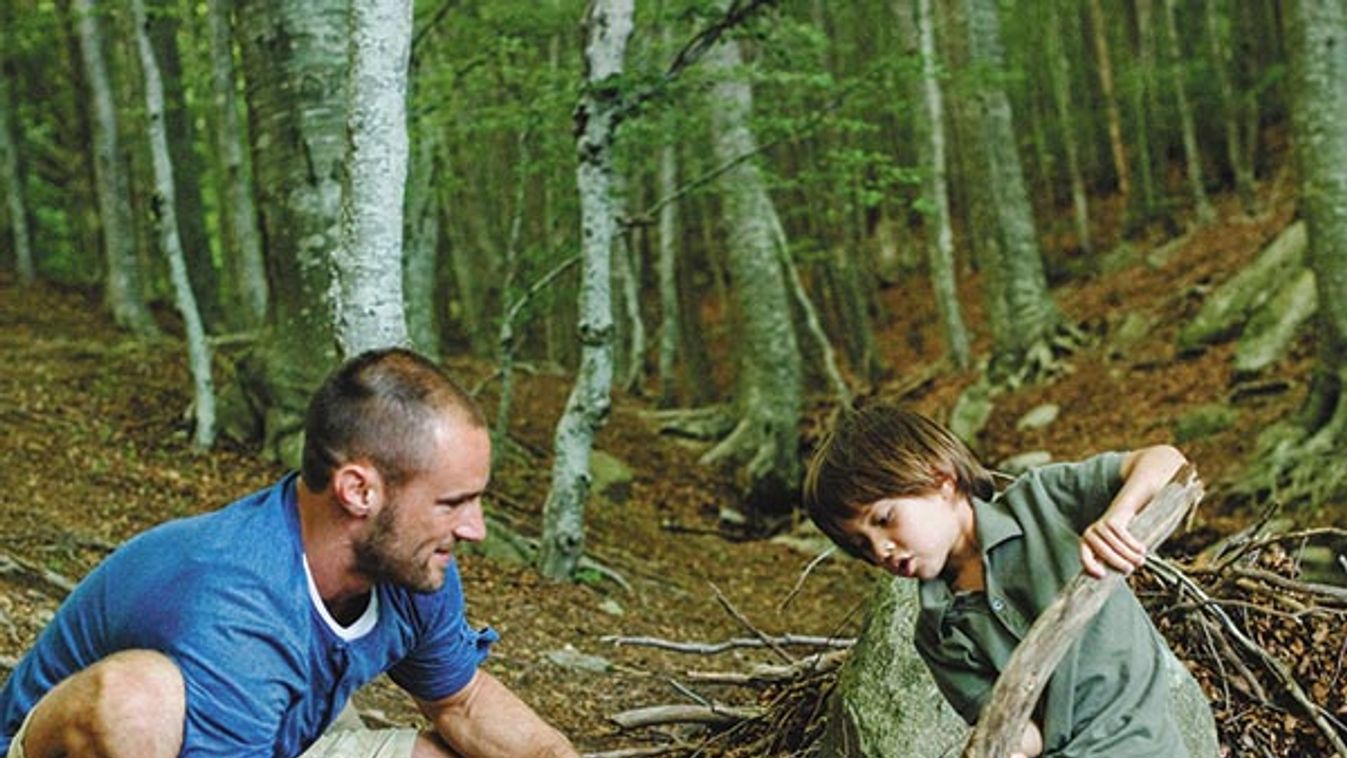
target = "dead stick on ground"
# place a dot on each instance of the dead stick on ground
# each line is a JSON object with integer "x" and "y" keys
{"x": 711, "y": 648}
{"x": 1001, "y": 727}
{"x": 808, "y": 569}
{"x": 723, "y": 715}
{"x": 742, "y": 619}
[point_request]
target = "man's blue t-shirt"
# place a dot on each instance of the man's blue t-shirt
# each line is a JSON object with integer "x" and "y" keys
{"x": 228, "y": 597}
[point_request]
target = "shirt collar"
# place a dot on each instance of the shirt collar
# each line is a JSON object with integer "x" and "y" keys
{"x": 994, "y": 524}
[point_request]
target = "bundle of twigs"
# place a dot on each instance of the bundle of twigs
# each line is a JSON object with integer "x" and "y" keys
{"x": 1268, "y": 647}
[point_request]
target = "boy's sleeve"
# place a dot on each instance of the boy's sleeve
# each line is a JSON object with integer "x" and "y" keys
{"x": 1081, "y": 491}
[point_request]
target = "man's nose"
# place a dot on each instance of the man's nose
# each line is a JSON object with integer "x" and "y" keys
{"x": 472, "y": 527}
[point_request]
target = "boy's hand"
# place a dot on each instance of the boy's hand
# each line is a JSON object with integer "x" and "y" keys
{"x": 1108, "y": 543}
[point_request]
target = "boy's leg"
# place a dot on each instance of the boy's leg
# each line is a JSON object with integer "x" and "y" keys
{"x": 129, "y": 705}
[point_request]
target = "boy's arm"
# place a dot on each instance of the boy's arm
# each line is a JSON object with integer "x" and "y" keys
{"x": 1107, "y": 542}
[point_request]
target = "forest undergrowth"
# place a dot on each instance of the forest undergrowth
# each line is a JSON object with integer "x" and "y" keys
{"x": 97, "y": 448}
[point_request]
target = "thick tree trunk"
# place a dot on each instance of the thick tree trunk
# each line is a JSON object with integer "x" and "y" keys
{"x": 769, "y": 383}
{"x": 563, "y": 538}
{"x": 239, "y": 224}
{"x": 367, "y": 306}
{"x": 1060, "y": 70}
{"x": 163, "y": 203}
{"x": 1192, "y": 156}
{"x": 1099, "y": 33}
{"x": 940, "y": 239}
{"x": 1032, "y": 316}
{"x": 1219, "y": 56}
{"x": 295, "y": 62}
{"x": 14, "y": 194}
{"x": 201, "y": 271}
{"x": 123, "y": 289}
{"x": 1301, "y": 462}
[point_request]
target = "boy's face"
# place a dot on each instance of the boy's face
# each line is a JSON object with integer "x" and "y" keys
{"x": 916, "y": 536}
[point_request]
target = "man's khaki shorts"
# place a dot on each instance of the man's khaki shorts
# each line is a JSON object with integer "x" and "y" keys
{"x": 347, "y": 737}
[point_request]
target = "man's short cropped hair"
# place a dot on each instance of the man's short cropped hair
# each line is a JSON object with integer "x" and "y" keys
{"x": 380, "y": 406}
{"x": 883, "y": 451}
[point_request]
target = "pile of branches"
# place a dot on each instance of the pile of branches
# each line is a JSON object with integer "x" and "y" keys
{"x": 1268, "y": 647}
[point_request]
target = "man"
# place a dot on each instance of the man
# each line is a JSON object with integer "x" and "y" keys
{"x": 243, "y": 632}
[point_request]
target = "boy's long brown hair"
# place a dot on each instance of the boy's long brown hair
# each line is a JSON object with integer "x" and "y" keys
{"x": 883, "y": 451}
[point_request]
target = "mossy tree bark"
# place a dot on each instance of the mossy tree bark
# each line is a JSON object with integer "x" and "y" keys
{"x": 768, "y": 401}
{"x": 239, "y": 225}
{"x": 14, "y": 194}
{"x": 295, "y": 62}
{"x": 1302, "y": 461}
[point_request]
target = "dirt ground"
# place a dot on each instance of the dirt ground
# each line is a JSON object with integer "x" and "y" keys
{"x": 96, "y": 449}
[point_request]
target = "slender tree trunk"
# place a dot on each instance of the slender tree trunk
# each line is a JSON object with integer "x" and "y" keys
{"x": 239, "y": 215}
{"x": 1191, "y": 154}
{"x": 1061, "y": 86}
{"x": 295, "y": 56}
{"x": 563, "y": 538}
{"x": 1033, "y": 316}
{"x": 628, "y": 279}
{"x": 368, "y": 303}
{"x": 14, "y": 194}
{"x": 423, "y": 237}
{"x": 1218, "y": 55}
{"x": 164, "y": 205}
{"x": 940, "y": 239}
{"x": 1146, "y": 111}
{"x": 1099, "y": 33}
{"x": 666, "y": 268}
{"x": 769, "y": 384}
{"x": 205, "y": 280}
{"x": 123, "y": 292}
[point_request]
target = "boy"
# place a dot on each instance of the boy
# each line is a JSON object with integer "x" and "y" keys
{"x": 892, "y": 487}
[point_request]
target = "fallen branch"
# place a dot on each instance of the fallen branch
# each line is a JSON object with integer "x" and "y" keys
{"x": 742, "y": 619}
{"x": 711, "y": 648}
{"x": 656, "y": 715}
{"x": 1016, "y": 692}
{"x": 11, "y": 565}
{"x": 767, "y": 673}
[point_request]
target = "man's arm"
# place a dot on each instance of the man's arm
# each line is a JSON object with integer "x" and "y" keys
{"x": 487, "y": 719}
{"x": 1107, "y": 541}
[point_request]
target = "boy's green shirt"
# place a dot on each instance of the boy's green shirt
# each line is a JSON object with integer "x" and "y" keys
{"x": 1109, "y": 695}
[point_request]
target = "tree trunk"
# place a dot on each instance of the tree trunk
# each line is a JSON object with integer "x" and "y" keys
{"x": 201, "y": 271}
{"x": 239, "y": 222}
{"x": 367, "y": 306}
{"x": 1032, "y": 316}
{"x": 295, "y": 61}
{"x": 939, "y": 238}
{"x": 563, "y": 538}
{"x": 1146, "y": 205}
{"x": 1218, "y": 55}
{"x": 632, "y": 361}
{"x": 1102, "y": 59}
{"x": 1191, "y": 154}
{"x": 1301, "y": 461}
{"x": 666, "y": 268}
{"x": 421, "y": 258}
{"x": 14, "y": 194}
{"x": 1061, "y": 97}
{"x": 769, "y": 383}
{"x": 123, "y": 291}
{"x": 243, "y": 247}
{"x": 165, "y": 213}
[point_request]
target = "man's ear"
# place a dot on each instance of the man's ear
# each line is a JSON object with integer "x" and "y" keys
{"x": 357, "y": 488}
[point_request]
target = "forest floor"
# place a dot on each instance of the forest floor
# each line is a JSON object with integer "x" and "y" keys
{"x": 96, "y": 448}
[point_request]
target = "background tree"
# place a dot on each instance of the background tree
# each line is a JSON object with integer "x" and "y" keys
{"x": 14, "y": 192}
{"x": 166, "y": 218}
{"x": 123, "y": 290}
{"x": 295, "y": 56}
{"x": 367, "y": 267}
